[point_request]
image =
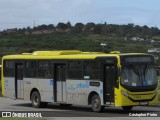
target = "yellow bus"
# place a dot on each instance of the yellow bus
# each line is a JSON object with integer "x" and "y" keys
{"x": 81, "y": 78}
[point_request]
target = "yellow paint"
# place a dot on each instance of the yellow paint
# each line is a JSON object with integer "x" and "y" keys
{"x": 121, "y": 100}
{"x": 66, "y": 54}
{"x": 2, "y": 80}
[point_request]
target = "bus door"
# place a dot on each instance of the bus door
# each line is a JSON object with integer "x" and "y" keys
{"x": 60, "y": 85}
{"x": 109, "y": 81}
{"x": 19, "y": 86}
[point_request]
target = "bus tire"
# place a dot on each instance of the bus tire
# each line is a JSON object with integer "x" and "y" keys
{"x": 127, "y": 108}
{"x": 96, "y": 104}
{"x": 36, "y": 99}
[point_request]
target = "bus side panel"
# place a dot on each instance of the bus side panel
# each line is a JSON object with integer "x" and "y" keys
{"x": 2, "y": 80}
{"x": 29, "y": 84}
{"x": 3, "y": 86}
{"x": 45, "y": 87}
{"x": 61, "y": 91}
{"x": 79, "y": 90}
{"x": 9, "y": 87}
{"x": 117, "y": 95}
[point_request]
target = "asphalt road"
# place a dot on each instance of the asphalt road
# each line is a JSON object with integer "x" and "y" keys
{"x": 7, "y": 104}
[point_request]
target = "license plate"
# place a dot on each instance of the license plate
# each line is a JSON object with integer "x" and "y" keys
{"x": 143, "y": 103}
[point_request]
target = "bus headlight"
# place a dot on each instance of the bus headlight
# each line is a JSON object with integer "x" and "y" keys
{"x": 125, "y": 94}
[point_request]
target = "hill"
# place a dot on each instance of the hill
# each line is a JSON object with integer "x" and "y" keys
{"x": 88, "y": 37}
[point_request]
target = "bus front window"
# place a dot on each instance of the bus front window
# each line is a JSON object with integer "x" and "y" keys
{"x": 138, "y": 75}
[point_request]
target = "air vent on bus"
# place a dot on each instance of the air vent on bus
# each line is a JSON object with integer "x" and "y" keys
{"x": 51, "y": 53}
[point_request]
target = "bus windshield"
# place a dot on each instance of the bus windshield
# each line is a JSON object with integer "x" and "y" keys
{"x": 138, "y": 75}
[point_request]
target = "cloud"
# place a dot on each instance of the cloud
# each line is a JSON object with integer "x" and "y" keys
{"x": 22, "y": 13}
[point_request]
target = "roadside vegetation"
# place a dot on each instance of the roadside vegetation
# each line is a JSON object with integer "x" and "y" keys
{"x": 159, "y": 89}
{"x": 159, "y": 96}
{"x": 84, "y": 37}
{"x": 13, "y": 44}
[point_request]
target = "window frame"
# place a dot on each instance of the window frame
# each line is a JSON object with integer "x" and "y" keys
{"x": 83, "y": 70}
{"x": 35, "y": 69}
{"x": 45, "y": 68}
{"x": 69, "y": 69}
{"x": 4, "y": 69}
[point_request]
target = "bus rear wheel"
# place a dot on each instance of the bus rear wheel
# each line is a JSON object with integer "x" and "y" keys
{"x": 127, "y": 108}
{"x": 36, "y": 99}
{"x": 96, "y": 104}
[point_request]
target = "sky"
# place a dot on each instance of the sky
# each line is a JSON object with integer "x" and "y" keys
{"x": 23, "y": 13}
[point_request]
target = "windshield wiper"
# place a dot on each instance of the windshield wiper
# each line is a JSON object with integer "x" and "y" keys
{"x": 146, "y": 68}
{"x": 134, "y": 69}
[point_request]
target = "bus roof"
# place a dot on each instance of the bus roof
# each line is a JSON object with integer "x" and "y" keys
{"x": 66, "y": 54}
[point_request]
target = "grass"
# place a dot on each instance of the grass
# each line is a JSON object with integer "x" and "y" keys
{"x": 13, "y": 44}
{"x": 159, "y": 95}
{"x": 159, "y": 88}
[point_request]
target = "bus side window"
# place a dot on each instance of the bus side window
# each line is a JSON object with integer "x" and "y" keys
{"x": 44, "y": 69}
{"x": 87, "y": 70}
{"x": 91, "y": 70}
{"x": 31, "y": 69}
{"x": 75, "y": 70}
{"x": 8, "y": 68}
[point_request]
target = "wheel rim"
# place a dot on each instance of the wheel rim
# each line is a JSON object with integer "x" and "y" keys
{"x": 96, "y": 103}
{"x": 35, "y": 100}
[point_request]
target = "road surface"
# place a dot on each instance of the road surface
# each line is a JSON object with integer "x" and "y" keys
{"x": 52, "y": 110}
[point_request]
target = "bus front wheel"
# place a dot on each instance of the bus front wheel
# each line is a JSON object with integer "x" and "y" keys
{"x": 127, "y": 107}
{"x": 96, "y": 104}
{"x": 36, "y": 99}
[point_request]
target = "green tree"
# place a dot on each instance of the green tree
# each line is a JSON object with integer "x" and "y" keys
{"x": 50, "y": 26}
{"x": 98, "y": 29}
{"x": 68, "y": 25}
{"x": 89, "y": 27}
{"x": 62, "y": 26}
{"x": 78, "y": 27}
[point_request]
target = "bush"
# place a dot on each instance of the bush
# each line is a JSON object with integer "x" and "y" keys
{"x": 159, "y": 95}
